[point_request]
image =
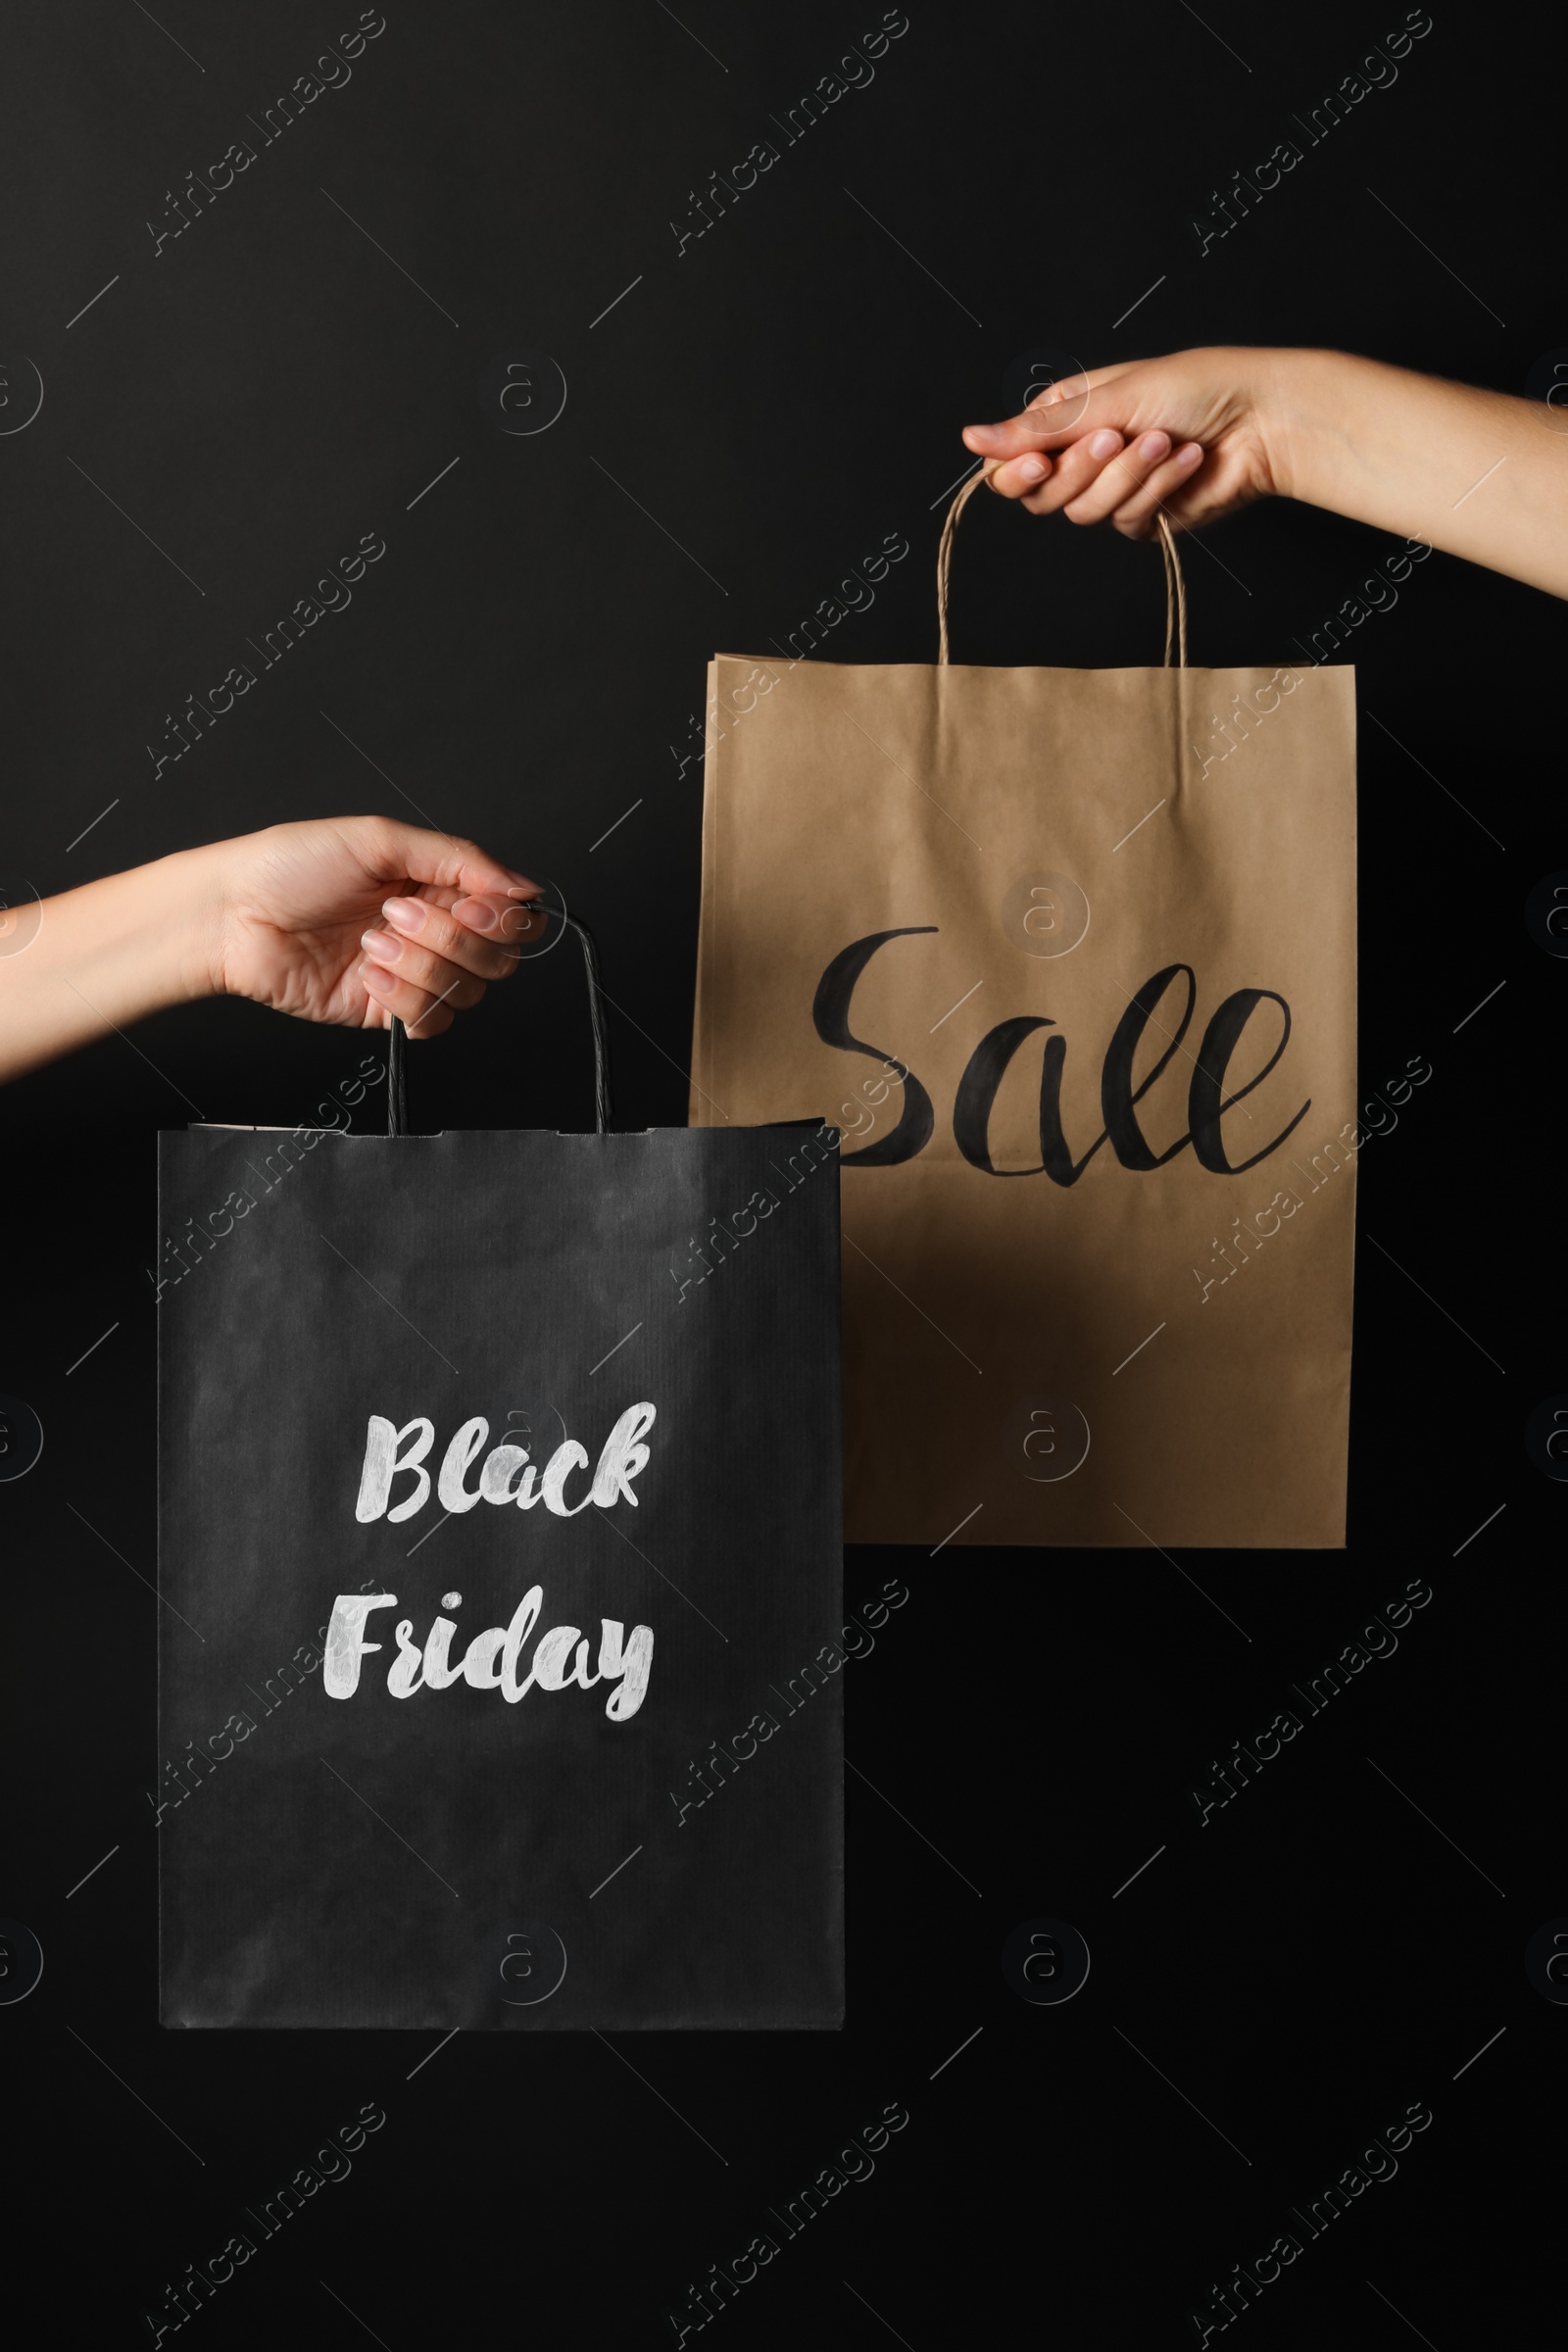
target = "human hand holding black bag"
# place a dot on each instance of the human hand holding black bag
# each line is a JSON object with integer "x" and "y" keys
{"x": 499, "y": 1539}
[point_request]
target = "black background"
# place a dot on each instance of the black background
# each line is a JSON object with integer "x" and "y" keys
{"x": 780, "y": 397}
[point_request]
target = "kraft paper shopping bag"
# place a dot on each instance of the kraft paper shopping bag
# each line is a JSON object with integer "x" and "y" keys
{"x": 1069, "y": 958}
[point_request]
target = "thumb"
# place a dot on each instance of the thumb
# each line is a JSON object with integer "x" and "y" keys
{"x": 444, "y": 861}
{"x": 1077, "y": 406}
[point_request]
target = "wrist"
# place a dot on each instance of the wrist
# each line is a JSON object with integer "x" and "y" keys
{"x": 188, "y": 910}
{"x": 1294, "y": 397}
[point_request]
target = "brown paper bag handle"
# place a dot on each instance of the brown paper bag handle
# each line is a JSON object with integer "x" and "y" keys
{"x": 1175, "y": 585}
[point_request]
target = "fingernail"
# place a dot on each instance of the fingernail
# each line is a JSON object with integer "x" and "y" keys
{"x": 379, "y": 983}
{"x": 382, "y": 946}
{"x": 409, "y": 915}
{"x": 1103, "y": 444}
{"x": 1153, "y": 446}
{"x": 1030, "y": 469}
{"x": 524, "y": 890}
{"x": 475, "y": 915}
{"x": 1189, "y": 452}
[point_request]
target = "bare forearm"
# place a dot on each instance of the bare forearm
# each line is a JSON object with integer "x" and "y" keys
{"x": 357, "y": 920}
{"x": 1476, "y": 473}
{"x": 102, "y": 957}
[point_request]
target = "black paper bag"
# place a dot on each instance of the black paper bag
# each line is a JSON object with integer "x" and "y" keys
{"x": 572, "y": 1399}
